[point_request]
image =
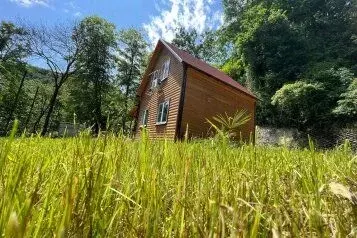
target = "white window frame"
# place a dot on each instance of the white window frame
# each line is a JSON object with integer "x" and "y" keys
{"x": 145, "y": 117}
{"x": 155, "y": 78}
{"x": 160, "y": 112}
{"x": 165, "y": 70}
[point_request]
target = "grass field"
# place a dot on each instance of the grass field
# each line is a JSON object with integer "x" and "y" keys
{"x": 112, "y": 186}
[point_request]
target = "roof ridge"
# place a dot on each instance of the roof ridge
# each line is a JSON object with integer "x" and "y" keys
{"x": 169, "y": 45}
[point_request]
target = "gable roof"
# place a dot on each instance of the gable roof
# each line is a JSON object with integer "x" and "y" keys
{"x": 198, "y": 64}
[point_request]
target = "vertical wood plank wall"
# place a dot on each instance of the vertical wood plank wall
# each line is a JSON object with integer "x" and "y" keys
{"x": 169, "y": 90}
{"x": 206, "y": 97}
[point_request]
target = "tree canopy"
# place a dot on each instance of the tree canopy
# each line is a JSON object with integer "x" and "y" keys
{"x": 279, "y": 46}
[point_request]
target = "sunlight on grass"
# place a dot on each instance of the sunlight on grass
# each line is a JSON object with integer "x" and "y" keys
{"x": 113, "y": 186}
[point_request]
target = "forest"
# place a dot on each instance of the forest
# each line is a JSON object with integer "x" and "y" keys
{"x": 298, "y": 57}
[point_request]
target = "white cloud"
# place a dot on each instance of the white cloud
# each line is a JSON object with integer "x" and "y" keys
{"x": 77, "y": 14}
{"x": 30, "y": 3}
{"x": 72, "y": 9}
{"x": 191, "y": 14}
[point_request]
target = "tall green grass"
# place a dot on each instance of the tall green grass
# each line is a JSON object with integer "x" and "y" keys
{"x": 113, "y": 186}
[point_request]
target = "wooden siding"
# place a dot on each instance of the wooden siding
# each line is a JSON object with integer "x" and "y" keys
{"x": 170, "y": 89}
{"x": 206, "y": 97}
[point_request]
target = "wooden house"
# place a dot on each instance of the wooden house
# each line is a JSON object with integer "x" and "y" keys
{"x": 179, "y": 92}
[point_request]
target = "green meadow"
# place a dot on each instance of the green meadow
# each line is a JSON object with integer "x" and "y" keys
{"x": 114, "y": 186}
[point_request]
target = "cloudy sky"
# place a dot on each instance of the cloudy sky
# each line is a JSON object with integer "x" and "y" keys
{"x": 158, "y": 18}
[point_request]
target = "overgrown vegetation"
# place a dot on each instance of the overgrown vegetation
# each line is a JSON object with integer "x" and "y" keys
{"x": 90, "y": 76}
{"x": 113, "y": 186}
{"x": 229, "y": 127}
{"x": 293, "y": 54}
{"x": 298, "y": 57}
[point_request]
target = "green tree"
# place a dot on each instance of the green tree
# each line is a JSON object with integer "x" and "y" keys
{"x": 281, "y": 42}
{"x": 310, "y": 103}
{"x": 94, "y": 64}
{"x": 189, "y": 40}
{"x": 206, "y": 46}
{"x": 13, "y": 72}
{"x": 335, "y": 80}
{"x": 13, "y": 97}
{"x": 301, "y": 104}
{"x": 131, "y": 63}
{"x": 271, "y": 50}
{"x": 233, "y": 12}
{"x": 12, "y": 44}
{"x": 272, "y": 54}
{"x": 58, "y": 48}
{"x": 347, "y": 104}
{"x": 235, "y": 69}
{"x": 327, "y": 27}
{"x": 39, "y": 88}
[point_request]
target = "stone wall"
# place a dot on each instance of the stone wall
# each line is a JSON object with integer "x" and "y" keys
{"x": 291, "y": 137}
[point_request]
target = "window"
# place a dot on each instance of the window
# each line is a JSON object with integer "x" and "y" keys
{"x": 145, "y": 117}
{"x": 165, "y": 70}
{"x": 162, "y": 113}
{"x": 160, "y": 75}
{"x": 155, "y": 78}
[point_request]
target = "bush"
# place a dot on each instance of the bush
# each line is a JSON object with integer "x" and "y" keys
{"x": 301, "y": 104}
{"x": 347, "y": 105}
{"x": 312, "y": 102}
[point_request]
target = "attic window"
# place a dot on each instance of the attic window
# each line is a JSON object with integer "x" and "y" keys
{"x": 145, "y": 117}
{"x": 162, "y": 113}
{"x": 155, "y": 78}
{"x": 165, "y": 70}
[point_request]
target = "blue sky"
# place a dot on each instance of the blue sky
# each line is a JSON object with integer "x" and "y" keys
{"x": 158, "y": 18}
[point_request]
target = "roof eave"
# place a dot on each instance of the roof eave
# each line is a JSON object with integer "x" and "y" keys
{"x": 171, "y": 50}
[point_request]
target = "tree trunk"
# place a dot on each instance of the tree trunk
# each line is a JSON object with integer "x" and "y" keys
{"x": 98, "y": 108}
{"x": 37, "y": 122}
{"x": 16, "y": 101}
{"x": 131, "y": 128}
{"x": 51, "y": 107}
{"x": 127, "y": 91}
{"x": 125, "y": 107}
{"x": 31, "y": 108}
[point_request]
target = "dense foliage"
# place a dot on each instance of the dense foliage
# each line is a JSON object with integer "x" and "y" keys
{"x": 131, "y": 63}
{"x": 112, "y": 186}
{"x": 94, "y": 64}
{"x": 298, "y": 57}
{"x": 282, "y": 45}
{"x": 347, "y": 105}
{"x": 90, "y": 77}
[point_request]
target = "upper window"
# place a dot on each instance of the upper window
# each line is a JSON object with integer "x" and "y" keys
{"x": 145, "y": 117}
{"x": 165, "y": 70}
{"x": 162, "y": 113}
{"x": 160, "y": 75}
{"x": 155, "y": 78}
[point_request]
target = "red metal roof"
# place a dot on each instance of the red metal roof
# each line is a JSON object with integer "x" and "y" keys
{"x": 206, "y": 68}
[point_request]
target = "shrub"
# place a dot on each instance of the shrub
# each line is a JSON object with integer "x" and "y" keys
{"x": 301, "y": 104}
{"x": 228, "y": 127}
